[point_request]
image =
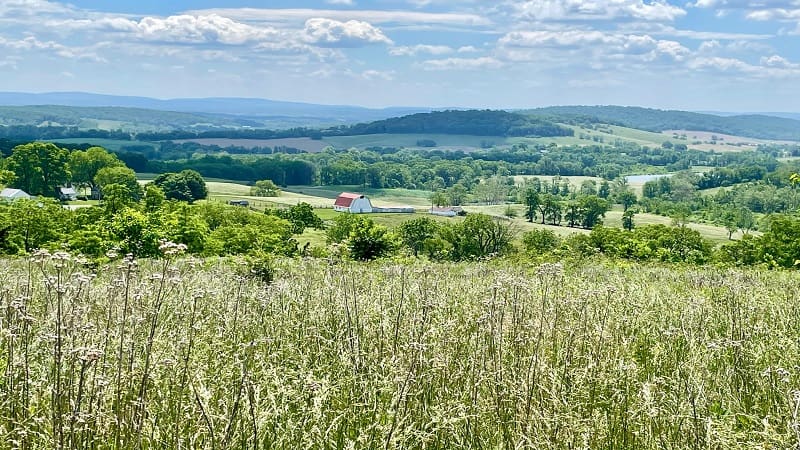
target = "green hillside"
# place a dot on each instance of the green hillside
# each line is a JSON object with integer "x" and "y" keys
{"x": 473, "y": 122}
{"x": 656, "y": 120}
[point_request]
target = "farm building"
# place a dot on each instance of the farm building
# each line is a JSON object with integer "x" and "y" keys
{"x": 450, "y": 211}
{"x": 67, "y": 193}
{"x": 352, "y": 203}
{"x": 9, "y": 194}
{"x": 394, "y": 209}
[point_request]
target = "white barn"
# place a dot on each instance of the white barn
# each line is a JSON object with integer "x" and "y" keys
{"x": 9, "y": 194}
{"x": 352, "y": 203}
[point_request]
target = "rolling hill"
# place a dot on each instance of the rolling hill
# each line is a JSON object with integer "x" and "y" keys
{"x": 657, "y": 120}
{"x": 262, "y": 112}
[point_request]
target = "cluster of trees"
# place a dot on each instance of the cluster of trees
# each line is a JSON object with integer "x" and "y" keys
{"x": 139, "y": 228}
{"x": 478, "y": 235}
{"x": 39, "y": 168}
{"x": 645, "y": 243}
{"x": 436, "y": 169}
{"x": 778, "y": 246}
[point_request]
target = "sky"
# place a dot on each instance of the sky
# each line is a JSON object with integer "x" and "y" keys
{"x": 707, "y": 55}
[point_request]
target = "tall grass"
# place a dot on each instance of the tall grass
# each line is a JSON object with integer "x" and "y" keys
{"x": 180, "y": 353}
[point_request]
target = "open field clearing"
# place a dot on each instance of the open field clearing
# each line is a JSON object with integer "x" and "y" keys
{"x": 191, "y": 354}
{"x": 306, "y": 144}
{"x": 724, "y": 138}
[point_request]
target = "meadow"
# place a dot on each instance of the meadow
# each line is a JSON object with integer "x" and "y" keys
{"x": 186, "y": 353}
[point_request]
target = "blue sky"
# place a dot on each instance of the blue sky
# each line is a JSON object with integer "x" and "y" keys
{"x": 732, "y": 55}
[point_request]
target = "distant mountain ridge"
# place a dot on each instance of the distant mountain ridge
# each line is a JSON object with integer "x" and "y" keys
{"x": 248, "y": 107}
{"x": 748, "y": 125}
{"x": 86, "y": 111}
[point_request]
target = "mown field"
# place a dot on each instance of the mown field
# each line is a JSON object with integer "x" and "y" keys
{"x": 183, "y": 353}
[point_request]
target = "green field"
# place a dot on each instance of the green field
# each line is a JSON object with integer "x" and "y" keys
{"x": 321, "y": 197}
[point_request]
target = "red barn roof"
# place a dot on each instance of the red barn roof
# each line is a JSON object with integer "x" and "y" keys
{"x": 345, "y": 199}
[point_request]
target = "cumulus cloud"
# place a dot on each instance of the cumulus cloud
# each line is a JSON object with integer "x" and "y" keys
{"x": 717, "y": 63}
{"x": 329, "y": 32}
{"x": 413, "y": 50}
{"x": 594, "y": 40}
{"x": 190, "y": 29}
{"x": 31, "y": 43}
{"x": 17, "y": 8}
{"x": 769, "y": 67}
{"x": 571, "y": 10}
{"x": 485, "y": 62}
{"x": 371, "y": 16}
{"x": 216, "y": 29}
{"x": 778, "y": 61}
{"x": 759, "y": 10}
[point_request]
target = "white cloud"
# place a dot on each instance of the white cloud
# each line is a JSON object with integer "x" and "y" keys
{"x": 572, "y": 10}
{"x": 329, "y": 32}
{"x": 769, "y": 67}
{"x": 191, "y": 29}
{"x": 370, "y": 75}
{"x": 743, "y": 4}
{"x": 659, "y": 29}
{"x": 758, "y": 10}
{"x": 717, "y": 63}
{"x": 31, "y": 43}
{"x": 413, "y": 50}
{"x": 599, "y": 41}
{"x": 371, "y": 16}
{"x": 778, "y": 61}
{"x": 485, "y": 62}
{"x": 774, "y": 14}
{"x": 15, "y": 8}
{"x": 467, "y": 49}
{"x": 340, "y": 2}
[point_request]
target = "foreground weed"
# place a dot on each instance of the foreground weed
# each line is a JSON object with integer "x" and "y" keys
{"x": 181, "y": 353}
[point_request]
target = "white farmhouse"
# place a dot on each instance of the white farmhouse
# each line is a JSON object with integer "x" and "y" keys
{"x": 352, "y": 203}
{"x": 9, "y": 194}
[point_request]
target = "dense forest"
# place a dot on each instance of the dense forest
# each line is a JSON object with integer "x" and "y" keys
{"x": 477, "y": 123}
{"x": 753, "y": 126}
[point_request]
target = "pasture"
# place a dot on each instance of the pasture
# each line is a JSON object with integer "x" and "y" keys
{"x": 305, "y": 144}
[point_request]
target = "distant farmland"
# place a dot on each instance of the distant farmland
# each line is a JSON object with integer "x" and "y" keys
{"x": 305, "y": 144}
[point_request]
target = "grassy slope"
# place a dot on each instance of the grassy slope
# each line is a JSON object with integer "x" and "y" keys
{"x": 479, "y": 355}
